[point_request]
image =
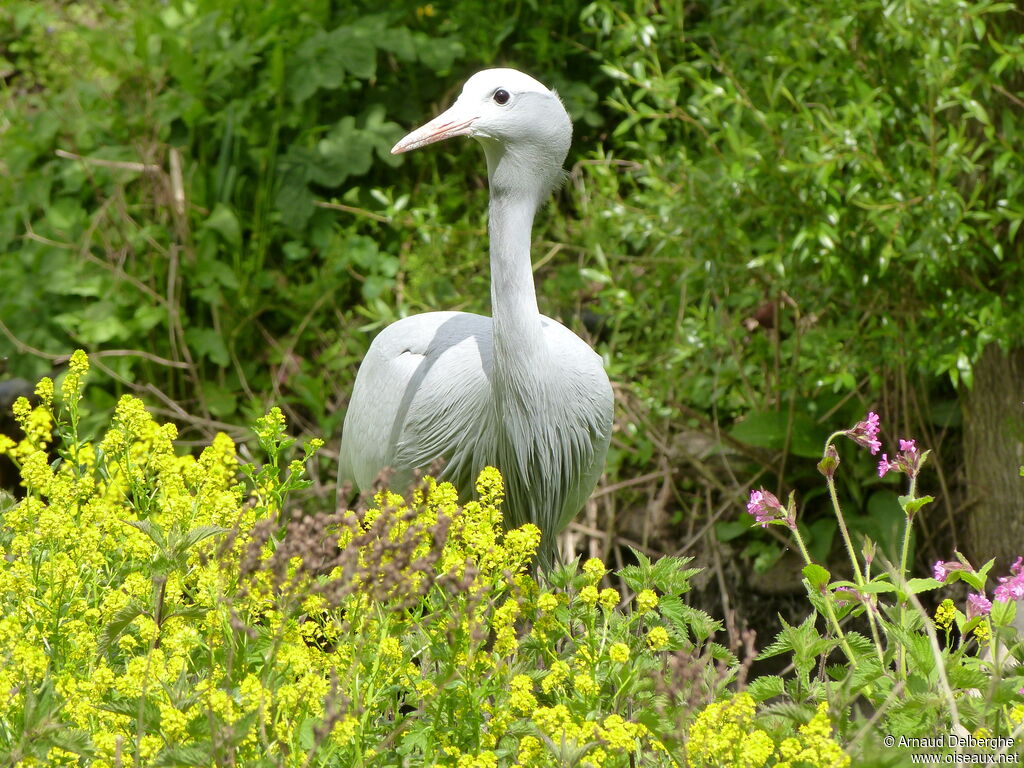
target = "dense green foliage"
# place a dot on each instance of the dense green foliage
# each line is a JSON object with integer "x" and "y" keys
{"x": 771, "y": 204}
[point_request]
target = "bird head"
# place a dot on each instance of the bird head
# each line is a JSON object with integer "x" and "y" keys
{"x": 508, "y": 112}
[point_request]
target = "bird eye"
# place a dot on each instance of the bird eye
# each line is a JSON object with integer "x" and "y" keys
{"x": 501, "y": 96}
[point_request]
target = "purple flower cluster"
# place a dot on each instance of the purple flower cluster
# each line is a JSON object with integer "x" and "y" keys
{"x": 766, "y": 507}
{"x": 1012, "y": 587}
{"x": 908, "y": 460}
{"x": 943, "y": 568}
{"x": 865, "y": 433}
{"x": 978, "y": 605}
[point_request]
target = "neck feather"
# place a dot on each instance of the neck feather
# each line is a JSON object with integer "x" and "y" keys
{"x": 516, "y": 192}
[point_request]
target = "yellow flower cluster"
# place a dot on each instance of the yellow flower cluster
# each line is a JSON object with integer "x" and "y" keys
{"x": 156, "y": 592}
{"x": 945, "y": 614}
{"x": 814, "y": 746}
{"x": 724, "y": 736}
{"x": 112, "y": 590}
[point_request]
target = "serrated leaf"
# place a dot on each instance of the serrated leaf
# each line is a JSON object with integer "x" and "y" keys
{"x": 196, "y": 535}
{"x": 117, "y": 624}
{"x": 192, "y": 754}
{"x": 766, "y": 687}
{"x": 152, "y": 530}
{"x": 133, "y": 708}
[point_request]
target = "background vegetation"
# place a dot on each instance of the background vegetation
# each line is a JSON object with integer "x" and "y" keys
{"x": 779, "y": 215}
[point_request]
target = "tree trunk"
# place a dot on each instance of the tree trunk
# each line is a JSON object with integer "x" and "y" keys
{"x": 994, "y": 452}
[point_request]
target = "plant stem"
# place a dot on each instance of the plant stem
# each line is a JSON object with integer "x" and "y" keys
{"x": 830, "y": 482}
{"x": 904, "y": 556}
{"x": 827, "y": 600}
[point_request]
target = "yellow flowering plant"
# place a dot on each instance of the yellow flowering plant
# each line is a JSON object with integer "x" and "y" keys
{"x": 166, "y": 607}
{"x": 159, "y": 607}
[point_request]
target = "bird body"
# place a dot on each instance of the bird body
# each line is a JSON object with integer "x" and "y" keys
{"x": 518, "y": 391}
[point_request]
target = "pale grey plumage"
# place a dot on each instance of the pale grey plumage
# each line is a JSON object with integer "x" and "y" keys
{"x": 520, "y": 391}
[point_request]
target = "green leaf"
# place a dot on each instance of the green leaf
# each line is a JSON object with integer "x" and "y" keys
{"x": 917, "y": 586}
{"x": 191, "y": 754}
{"x": 152, "y": 530}
{"x": 816, "y": 575}
{"x": 912, "y": 506}
{"x": 196, "y": 535}
{"x": 768, "y": 429}
{"x": 224, "y": 222}
{"x": 766, "y": 687}
{"x": 117, "y": 624}
{"x": 1003, "y": 612}
{"x": 206, "y": 342}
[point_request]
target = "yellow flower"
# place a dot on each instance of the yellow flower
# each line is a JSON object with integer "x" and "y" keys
{"x": 594, "y": 569}
{"x": 585, "y": 684}
{"x": 657, "y": 638}
{"x": 983, "y": 633}
{"x": 724, "y": 735}
{"x": 44, "y": 391}
{"x": 173, "y": 723}
{"x": 619, "y": 652}
{"x": 79, "y": 362}
{"x": 521, "y": 698}
{"x": 529, "y": 750}
{"x": 589, "y": 595}
{"x": 619, "y": 734}
{"x": 557, "y": 675}
{"x": 345, "y": 730}
{"x": 547, "y": 602}
{"x": 390, "y": 648}
{"x": 609, "y": 599}
{"x": 945, "y": 614}
{"x": 646, "y": 601}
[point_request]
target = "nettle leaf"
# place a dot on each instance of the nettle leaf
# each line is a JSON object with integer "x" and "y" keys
{"x": 141, "y": 708}
{"x": 356, "y": 51}
{"x": 196, "y": 535}
{"x": 766, "y": 687}
{"x": 345, "y": 151}
{"x": 193, "y": 754}
{"x": 152, "y": 530}
{"x": 117, "y": 624}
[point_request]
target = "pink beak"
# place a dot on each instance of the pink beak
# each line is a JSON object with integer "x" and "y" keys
{"x": 451, "y": 122}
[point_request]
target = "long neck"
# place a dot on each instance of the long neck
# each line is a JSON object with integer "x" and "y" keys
{"x": 516, "y": 192}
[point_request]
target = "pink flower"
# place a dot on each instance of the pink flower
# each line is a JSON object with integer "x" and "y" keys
{"x": 943, "y": 568}
{"x": 885, "y": 465}
{"x": 978, "y": 605}
{"x": 766, "y": 507}
{"x": 908, "y": 460}
{"x": 1012, "y": 587}
{"x": 865, "y": 433}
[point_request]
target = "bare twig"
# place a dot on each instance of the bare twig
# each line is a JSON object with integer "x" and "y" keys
{"x": 120, "y": 165}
